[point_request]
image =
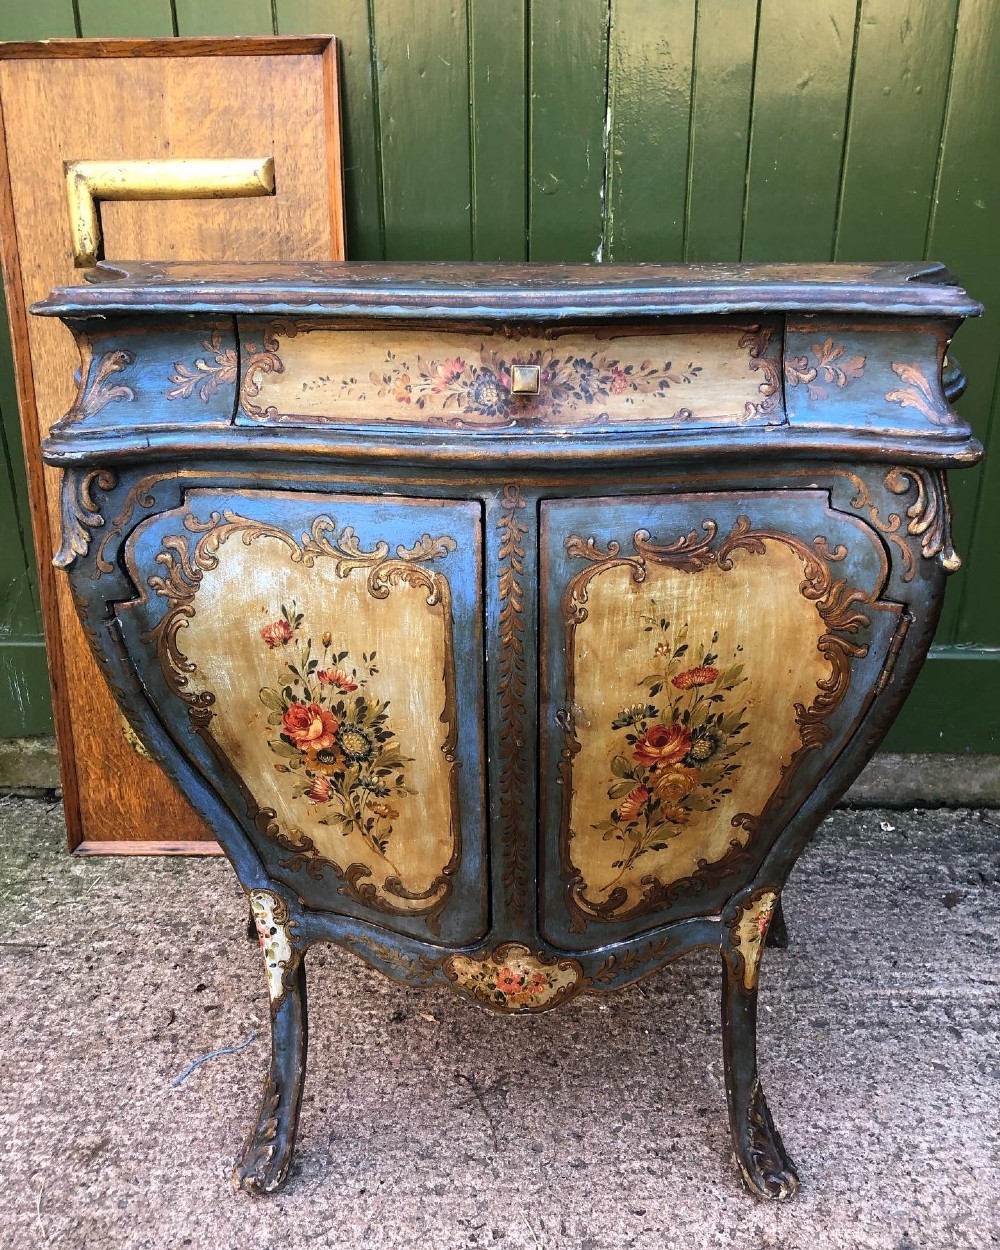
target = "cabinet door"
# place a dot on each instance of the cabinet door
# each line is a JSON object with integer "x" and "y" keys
{"x": 319, "y": 658}
{"x": 704, "y": 657}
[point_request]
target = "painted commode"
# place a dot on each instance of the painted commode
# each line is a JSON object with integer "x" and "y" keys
{"x": 513, "y": 627}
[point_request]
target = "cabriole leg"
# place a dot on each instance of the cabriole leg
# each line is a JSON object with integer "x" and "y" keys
{"x": 267, "y": 1155}
{"x": 767, "y": 1170}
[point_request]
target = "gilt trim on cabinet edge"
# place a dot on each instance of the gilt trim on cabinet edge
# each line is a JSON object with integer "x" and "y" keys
{"x": 81, "y": 513}
{"x": 928, "y": 516}
{"x": 512, "y": 692}
{"x": 184, "y": 567}
{"x": 836, "y": 602}
{"x": 747, "y": 935}
{"x": 96, "y": 389}
{"x": 274, "y": 932}
{"x": 757, "y": 340}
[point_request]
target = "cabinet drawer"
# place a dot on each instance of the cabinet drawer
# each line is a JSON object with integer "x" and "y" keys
{"x": 609, "y": 376}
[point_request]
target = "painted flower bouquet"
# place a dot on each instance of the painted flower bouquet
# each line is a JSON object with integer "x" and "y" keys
{"x": 676, "y": 752}
{"x": 331, "y": 736}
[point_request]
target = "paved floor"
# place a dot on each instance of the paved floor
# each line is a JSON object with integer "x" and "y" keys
{"x": 601, "y": 1125}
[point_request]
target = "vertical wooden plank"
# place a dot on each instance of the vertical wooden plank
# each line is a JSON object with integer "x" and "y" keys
{"x": 15, "y": 484}
{"x": 423, "y": 99}
{"x": 37, "y": 19}
{"x": 362, "y": 167}
{"x": 567, "y": 75}
{"x": 498, "y": 86}
{"x": 897, "y": 107}
{"x": 224, "y": 17}
{"x": 145, "y": 19}
{"x": 649, "y": 100}
{"x": 963, "y": 232}
{"x": 801, "y": 86}
{"x": 721, "y": 91}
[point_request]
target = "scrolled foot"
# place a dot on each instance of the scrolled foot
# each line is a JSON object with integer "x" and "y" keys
{"x": 267, "y": 1156}
{"x": 767, "y": 1170}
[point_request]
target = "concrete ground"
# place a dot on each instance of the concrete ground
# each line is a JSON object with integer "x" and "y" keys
{"x": 430, "y": 1123}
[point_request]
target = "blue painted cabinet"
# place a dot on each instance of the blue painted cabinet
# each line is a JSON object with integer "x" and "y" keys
{"x": 512, "y": 628}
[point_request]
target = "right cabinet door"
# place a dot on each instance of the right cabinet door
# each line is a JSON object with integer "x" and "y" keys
{"x": 704, "y": 659}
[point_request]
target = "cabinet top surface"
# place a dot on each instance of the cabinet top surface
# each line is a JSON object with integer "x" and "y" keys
{"x": 446, "y": 290}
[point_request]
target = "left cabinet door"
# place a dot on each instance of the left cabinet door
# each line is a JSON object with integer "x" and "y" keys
{"x": 319, "y": 659}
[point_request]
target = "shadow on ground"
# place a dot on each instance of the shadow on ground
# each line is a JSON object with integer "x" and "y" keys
{"x": 430, "y": 1123}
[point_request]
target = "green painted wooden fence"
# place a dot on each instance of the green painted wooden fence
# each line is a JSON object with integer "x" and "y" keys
{"x": 642, "y": 130}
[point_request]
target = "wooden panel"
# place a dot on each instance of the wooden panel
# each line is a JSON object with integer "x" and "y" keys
{"x": 963, "y": 227}
{"x": 897, "y": 103}
{"x": 423, "y": 103}
{"x": 720, "y": 127}
{"x": 223, "y": 17}
{"x": 64, "y": 106}
{"x": 38, "y": 19}
{"x": 359, "y": 113}
{"x": 498, "y": 101}
{"x": 648, "y": 108}
{"x": 586, "y": 378}
{"x": 568, "y": 95}
{"x": 799, "y": 112}
{"x": 139, "y": 18}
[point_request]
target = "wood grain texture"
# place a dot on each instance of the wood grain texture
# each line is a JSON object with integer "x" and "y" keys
{"x": 144, "y": 19}
{"x": 649, "y": 101}
{"x": 498, "y": 101}
{"x": 963, "y": 219}
{"x": 358, "y": 111}
{"x": 721, "y": 95}
{"x": 423, "y": 92}
{"x": 801, "y": 80}
{"x": 125, "y": 107}
{"x": 223, "y": 17}
{"x": 567, "y": 157}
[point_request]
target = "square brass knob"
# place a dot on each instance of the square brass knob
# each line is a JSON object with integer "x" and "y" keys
{"x": 524, "y": 379}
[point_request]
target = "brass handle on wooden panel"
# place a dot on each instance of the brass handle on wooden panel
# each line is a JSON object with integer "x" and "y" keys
{"x": 525, "y": 379}
{"x": 90, "y": 182}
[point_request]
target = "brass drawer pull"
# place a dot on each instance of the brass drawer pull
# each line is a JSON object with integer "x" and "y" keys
{"x": 89, "y": 182}
{"x": 524, "y": 379}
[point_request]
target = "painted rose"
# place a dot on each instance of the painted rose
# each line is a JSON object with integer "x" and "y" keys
{"x": 619, "y": 381}
{"x": 675, "y": 815}
{"x": 319, "y": 790}
{"x": 764, "y": 921}
{"x": 310, "y": 727}
{"x": 661, "y": 745}
{"x": 507, "y": 980}
{"x": 277, "y": 633}
{"x": 675, "y": 783}
{"x": 631, "y": 804}
{"x": 703, "y": 675}
{"x": 336, "y": 677}
{"x": 445, "y": 373}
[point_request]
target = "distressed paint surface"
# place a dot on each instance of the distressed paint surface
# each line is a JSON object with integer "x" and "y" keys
{"x": 270, "y": 916}
{"x": 331, "y": 698}
{"x": 542, "y": 179}
{"x": 668, "y": 656}
{"x": 420, "y": 378}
